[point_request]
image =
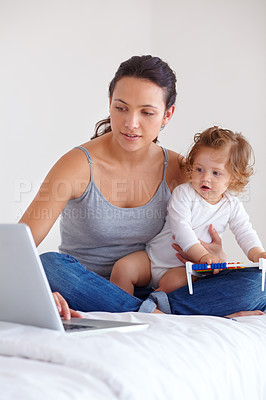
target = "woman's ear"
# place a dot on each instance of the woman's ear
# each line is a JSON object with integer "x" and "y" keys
{"x": 168, "y": 115}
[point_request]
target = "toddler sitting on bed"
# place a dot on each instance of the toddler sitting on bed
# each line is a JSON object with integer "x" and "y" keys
{"x": 217, "y": 164}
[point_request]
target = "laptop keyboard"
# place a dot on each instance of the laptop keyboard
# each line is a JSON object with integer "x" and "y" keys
{"x": 71, "y": 327}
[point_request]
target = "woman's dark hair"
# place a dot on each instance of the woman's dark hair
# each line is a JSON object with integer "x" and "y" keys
{"x": 142, "y": 67}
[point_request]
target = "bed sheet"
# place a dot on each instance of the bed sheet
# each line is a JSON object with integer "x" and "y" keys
{"x": 177, "y": 357}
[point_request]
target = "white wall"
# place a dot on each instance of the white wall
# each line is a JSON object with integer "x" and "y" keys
{"x": 218, "y": 50}
{"x": 58, "y": 57}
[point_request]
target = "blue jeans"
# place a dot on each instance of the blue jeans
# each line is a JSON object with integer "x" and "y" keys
{"x": 221, "y": 294}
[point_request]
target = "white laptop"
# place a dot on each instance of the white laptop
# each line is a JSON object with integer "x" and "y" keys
{"x": 25, "y": 294}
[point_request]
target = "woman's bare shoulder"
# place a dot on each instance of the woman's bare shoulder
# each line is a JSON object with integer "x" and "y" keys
{"x": 75, "y": 164}
{"x": 97, "y": 146}
{"x": 73, "y": 168}
{"x": 75, "y": 160}
{"x": 79, "y": 156}
{"x": 175, "y": 173}
{"x": 174, "y": 156}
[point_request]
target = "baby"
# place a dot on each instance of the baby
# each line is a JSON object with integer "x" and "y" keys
{"x": 217, "y": 164}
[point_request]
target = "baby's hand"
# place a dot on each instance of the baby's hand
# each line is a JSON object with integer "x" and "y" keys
{"x": 210, "y": 259}
{"x": 258, "y": 256}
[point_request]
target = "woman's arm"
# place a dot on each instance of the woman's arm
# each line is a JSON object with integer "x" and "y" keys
{"x": 66, "y": 180}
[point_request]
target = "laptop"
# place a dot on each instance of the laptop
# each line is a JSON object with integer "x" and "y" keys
{"x": 25, "y": 294}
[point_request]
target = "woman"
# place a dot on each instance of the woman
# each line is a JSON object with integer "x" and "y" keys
{"x": 112, "y": 193}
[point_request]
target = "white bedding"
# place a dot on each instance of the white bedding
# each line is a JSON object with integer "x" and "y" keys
{"x": 177, "y": 357}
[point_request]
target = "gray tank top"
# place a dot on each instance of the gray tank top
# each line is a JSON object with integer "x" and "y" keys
{"x": 98, "y": 233}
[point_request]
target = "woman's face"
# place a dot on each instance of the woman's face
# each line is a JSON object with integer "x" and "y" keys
{"x": 137, "y": 111}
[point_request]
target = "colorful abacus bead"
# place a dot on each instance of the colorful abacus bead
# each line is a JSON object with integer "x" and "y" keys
{"x": 200, "y": 267}
{"x": 219, "y": 265}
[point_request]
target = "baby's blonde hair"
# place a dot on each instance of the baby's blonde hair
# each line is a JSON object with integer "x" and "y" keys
{"x": 240, "y": 159}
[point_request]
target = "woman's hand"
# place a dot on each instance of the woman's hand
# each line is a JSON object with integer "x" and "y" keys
{"x": 215, "y": 247}
{"x": 63, "y": 307}
{"x": 183, "y": 257}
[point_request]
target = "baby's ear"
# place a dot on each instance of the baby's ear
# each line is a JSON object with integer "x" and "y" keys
{"x": 233, "y": 183}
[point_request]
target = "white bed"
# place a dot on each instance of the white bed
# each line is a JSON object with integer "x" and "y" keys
{"x": 177, "y": 357}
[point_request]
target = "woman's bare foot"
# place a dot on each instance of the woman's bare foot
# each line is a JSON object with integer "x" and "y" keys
{"x": 156, "y": 311}
{"x": 245, "y": 313}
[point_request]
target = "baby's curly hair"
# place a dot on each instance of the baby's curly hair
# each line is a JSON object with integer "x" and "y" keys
{"x": 241, "y": 156}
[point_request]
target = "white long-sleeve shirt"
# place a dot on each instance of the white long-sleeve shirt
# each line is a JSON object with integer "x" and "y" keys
{"x": 189, "y": 217}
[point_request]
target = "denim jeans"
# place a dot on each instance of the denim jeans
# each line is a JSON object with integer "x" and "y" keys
{"x": 221, "y": 294}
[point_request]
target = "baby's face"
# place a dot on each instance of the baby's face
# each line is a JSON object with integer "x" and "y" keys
{"x": 210, "y": 176}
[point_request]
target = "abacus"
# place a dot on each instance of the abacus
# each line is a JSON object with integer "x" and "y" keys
{"x": 198, "y": 269}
